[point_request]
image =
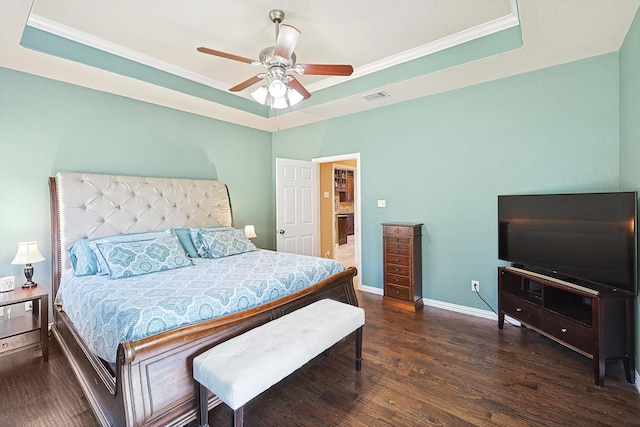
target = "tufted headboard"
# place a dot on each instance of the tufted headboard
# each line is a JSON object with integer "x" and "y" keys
{"x": 90, "y": 205}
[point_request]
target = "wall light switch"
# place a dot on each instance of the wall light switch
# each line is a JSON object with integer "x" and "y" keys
{"x": 7, "y": 283}
{"x": 382, "y": 203}
{"x": 325, "y": 194}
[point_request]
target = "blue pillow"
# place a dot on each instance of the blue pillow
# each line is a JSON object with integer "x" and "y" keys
{"x": 126, "y": 259}
{"x": 221, "y": 242}
{"x": 184, "y": 235}
{"x": 86, "y": 259}
{"x": 82, "y": 258}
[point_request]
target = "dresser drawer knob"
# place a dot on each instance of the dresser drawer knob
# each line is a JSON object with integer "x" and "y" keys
{"x": 397, "y": 270}
{"x": 397, "y": 231}
{"x": 397, "y": 292}
{"x": 564, "y": 330}
{"x": 397, "y": 260}
{"x": 518, "y": 309}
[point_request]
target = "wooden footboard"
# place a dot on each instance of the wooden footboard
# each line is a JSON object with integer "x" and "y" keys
{"x": 153, "y": 384}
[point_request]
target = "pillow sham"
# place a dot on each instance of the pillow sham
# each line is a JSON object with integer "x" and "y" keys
{"x": 221, "y": 242}
{"x": 184, "y": 235}
{"x": 86, "y": 260}
{"x": 103, "y": 268}
{"x": 82, "y": 258}
{"x": 126, "y": 259}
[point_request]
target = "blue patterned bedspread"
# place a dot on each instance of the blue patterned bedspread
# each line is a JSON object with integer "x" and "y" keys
{"x": 107, "y": 312}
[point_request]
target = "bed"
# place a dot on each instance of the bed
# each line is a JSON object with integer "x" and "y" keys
{"x": 146, "y": 380}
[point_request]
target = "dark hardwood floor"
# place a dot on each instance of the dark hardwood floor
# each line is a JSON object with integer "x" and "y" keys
{"x": 428, "y": 368}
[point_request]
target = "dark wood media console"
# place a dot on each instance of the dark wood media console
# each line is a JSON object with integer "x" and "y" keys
{"x": 597, "y": 322}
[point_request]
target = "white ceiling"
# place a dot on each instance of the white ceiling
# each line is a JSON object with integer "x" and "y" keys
{"x": 371, "y": 35}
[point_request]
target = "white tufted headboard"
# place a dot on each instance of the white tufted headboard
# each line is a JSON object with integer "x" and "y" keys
{"x": 90, "y": 205}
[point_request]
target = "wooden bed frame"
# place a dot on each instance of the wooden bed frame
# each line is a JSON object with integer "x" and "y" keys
{"x": 152, "y": 384}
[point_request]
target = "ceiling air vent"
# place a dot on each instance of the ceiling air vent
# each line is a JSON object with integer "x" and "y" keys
{"x": 375, "y": 96}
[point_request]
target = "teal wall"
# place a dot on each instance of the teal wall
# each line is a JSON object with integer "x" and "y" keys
{"x": 442, "y": 160}
{"x": 630, "y": 126}
{"x": 48, "y": 126}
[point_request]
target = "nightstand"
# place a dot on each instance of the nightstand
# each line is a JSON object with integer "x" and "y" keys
{"x": 21, "y": 330}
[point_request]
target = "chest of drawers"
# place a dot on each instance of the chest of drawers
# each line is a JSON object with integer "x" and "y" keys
{"x": 402, "y": 261}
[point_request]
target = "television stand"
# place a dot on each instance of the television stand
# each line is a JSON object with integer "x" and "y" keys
{"x": 595, "y": 321}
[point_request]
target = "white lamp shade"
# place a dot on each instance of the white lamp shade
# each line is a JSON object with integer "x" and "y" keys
{"x": 250, "y": 231}
{"x": 279, "y": 103}
{"x": 277, "y": 88}
{"x": 28, "y": 253}
{"x": 260, "y": 95}
{"x": 294, "y": 97}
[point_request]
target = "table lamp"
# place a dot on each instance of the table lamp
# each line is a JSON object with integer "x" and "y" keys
{"x": 28, "y": 253}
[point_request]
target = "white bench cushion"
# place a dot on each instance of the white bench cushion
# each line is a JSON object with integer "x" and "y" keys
{"x": 239, "y": 369}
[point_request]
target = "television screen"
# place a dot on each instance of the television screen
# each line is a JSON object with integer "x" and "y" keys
{"x": 587, "y": 236}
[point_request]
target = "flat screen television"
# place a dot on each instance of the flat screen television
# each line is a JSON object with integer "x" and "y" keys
{"x": 588, "y": 238}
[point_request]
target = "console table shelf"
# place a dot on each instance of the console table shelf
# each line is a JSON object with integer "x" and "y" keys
{"x": 597, "y": 322}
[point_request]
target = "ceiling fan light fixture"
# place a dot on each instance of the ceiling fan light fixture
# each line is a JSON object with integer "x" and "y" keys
{"x": 260, "y": 95}
{"x": 294, "y": 96}
{"x": 263, "y": 96}
{"x": 279, "y": 103}
{"x": 277, "y": 88}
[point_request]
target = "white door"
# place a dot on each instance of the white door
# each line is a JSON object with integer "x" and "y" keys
{"x": 297, "y": 207}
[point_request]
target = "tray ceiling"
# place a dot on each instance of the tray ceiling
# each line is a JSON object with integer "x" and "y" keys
{"x": 146, "y": 50}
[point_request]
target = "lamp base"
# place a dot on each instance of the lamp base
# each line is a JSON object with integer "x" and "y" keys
{"x": 30, "y": 284}
{"x": 28, "y": 274}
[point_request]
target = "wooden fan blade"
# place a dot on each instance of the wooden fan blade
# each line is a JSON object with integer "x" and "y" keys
{"x": 295, "y": 84}
{"x": 245, "y": 84}
{"x": 225, "y": 55}
{"x": 287, "y": 40}
{"x": 327, "y": 69}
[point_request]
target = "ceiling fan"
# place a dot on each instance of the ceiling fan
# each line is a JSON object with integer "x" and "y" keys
{"x": 281, "y": 90}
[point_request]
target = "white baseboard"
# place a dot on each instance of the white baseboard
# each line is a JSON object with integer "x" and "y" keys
{"x": 463, "y": 309}
{"x": 471, "y": 311}
{"x": 370, "y": 289}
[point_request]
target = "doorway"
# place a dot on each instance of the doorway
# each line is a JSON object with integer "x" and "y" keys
{"x": 339, "y": 206}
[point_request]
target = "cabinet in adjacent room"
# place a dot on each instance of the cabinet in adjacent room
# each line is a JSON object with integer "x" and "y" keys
{"x": 343, "y": 181}
{"x": 402, "y": 261}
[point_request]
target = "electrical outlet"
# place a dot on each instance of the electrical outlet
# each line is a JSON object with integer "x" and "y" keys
{"x": 475, "y": 286}
{"x": 28, "y": 306}
{"x": 1, "y": 311}
{"x": 382, "y": 203}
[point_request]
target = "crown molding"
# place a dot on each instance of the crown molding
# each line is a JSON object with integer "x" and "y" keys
{"x": 73, "y": 34}
{"x": 473, "y": 33}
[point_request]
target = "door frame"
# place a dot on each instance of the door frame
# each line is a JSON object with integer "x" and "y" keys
{"x": 357, "y": 204}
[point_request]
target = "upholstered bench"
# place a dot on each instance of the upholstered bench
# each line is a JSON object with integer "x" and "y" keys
{"x": 241, "y": 368}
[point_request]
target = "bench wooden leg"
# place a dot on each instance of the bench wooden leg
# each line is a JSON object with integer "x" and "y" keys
{"x": 238, "y": 417}
{"x": 359, "y": 348}
{"x": 202, "y": 398}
